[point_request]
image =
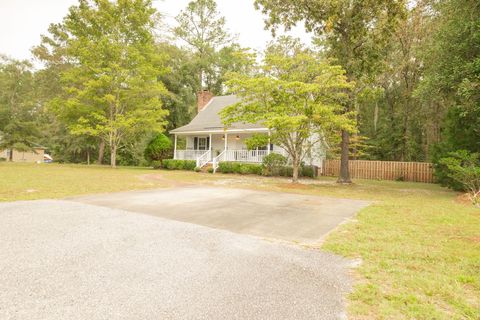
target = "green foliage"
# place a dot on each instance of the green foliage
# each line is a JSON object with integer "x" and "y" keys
{"x": 305, "y": 171}
{"x": 181, "y": 82}
{"x": 461, "y": 171}
{"x": 18, "y": 108}
{"x": 297, "y": 95}
{"x": 240, "y": 168}
{"x": 201, "y": 26}
{"x": 2, "y": 159}
{"x": 355, "y": 33}
{"x": 110, "y": 89}
{"x": 159, "y": 148}
{"x": 257, "y": 140}
{"x": 156, "y": 164}
{"x": 309, "y": 171}
{"x": 172, "y": 164}
{"x": 272, "y": 164}
{"x": 260, "y": 169}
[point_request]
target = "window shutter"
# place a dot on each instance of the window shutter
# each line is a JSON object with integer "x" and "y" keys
{"x": 208, "y": 143}
{"x": 195, "y": 143}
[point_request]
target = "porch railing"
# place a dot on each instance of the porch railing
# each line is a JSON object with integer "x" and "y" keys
{"x": 204, "y": 159}
{"x": 245, "y": 155}
{"x": 218, "y": 159}
{"x": 188, "y": 154}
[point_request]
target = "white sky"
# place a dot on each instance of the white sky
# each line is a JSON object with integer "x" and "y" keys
{"x": 23, "y": 21}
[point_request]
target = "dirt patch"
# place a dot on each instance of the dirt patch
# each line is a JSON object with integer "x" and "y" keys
{"x": 158, "y": 177}
{"x": 464, "y": 199}
{"x": 294, "y": 186}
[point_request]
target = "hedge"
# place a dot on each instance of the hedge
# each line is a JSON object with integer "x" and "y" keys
{"x": 249, "y": 168}
{"x": 238, "y": 167}
{"x": 172, "y": 164}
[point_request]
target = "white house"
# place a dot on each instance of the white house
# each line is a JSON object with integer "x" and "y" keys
{"x": 208, "y": 141}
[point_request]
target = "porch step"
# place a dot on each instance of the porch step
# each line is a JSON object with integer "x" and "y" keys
{"x": 206, "y": 167}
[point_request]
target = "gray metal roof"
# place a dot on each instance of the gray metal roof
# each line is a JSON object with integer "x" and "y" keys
{"x": 209, "y": 119}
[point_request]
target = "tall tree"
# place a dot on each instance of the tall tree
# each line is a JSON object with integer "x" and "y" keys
{"x": 202, "y": 27}
{"x": 296, "y": 96}
{"x": 398, "y": 125}
{"x": 452, "y": 73}
{"x": 18, "y": 107}
{"x": 111, "y": 87}
{"x": 181, "y": 82}
{"x": 354, "y": 32}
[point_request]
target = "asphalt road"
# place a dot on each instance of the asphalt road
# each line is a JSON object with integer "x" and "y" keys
{"x": 70, "y": 260}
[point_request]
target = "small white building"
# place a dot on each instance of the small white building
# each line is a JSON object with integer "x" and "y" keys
{"x": 209, "y": 141}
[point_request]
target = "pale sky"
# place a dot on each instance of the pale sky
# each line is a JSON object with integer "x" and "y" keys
{"x": 23, "y": 21}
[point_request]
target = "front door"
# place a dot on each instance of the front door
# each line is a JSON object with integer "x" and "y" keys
{"x": 201, "y": 143}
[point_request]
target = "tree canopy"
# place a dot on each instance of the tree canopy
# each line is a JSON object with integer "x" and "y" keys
{"x": 110, "y": 88}
{"x": 298, "y": 97}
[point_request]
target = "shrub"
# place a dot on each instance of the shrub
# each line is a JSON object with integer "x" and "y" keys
{"x": 442, "y": 171}
{"x": 463, "y": 168}
{"x": 272, "y": 164}
{"x": 285, "y": 171}
{"x": 305, "y": 171}
{"x": 156, "y": 164}
{"x": 308, "y": 171}
{"x": 241, "y": 168}
{"x": 251, "y": 168}
{"x": 172, "y": 164}
{"x": 159, "y": 148}
{"x": 210, "y": 170}
{"x": 3, "y": 159}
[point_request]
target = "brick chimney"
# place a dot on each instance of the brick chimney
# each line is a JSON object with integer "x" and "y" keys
{"x": 203, "y": 98}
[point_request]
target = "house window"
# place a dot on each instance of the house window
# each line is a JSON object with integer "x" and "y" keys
{"x": 201, "y": 143}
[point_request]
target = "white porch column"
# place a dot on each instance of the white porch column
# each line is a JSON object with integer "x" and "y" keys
{"x": 175, "y": 148}
{"x": 210, "y": 145}
{"x": 268, "y": 147}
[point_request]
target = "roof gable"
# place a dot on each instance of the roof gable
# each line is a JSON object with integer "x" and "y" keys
{"x": 209, "y": 118}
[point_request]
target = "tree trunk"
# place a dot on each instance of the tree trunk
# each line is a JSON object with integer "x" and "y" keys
{"x": 113, "y": 155}
{"x": 10, "y": 156}
{"x": 375, "y": 119}
{"x": 101, "y": 151}
{"x": 344, "y": 176}
{"x": 88, "y": 156}
{"x": 296, "y": 166}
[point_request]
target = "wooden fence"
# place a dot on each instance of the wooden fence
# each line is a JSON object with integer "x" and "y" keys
{"x": 382, "y": 170}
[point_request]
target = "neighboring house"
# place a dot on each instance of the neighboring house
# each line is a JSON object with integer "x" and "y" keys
{"x": 209, "y": 141}
{"x": 37, "y": 155}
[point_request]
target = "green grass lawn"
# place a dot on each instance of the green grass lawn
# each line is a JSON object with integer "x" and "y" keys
{"x": 419, "y": 246}
{"x": 23, "y": 181}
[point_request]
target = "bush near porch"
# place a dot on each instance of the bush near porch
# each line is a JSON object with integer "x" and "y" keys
{"x": 241, "y": 168}
{"x": 259, "y": 169}
{"x": 172, "y": 164}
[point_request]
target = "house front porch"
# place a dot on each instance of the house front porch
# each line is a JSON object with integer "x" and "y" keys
{"x": 214, "y": 148}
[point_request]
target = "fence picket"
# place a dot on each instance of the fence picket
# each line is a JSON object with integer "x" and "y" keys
{"x": 383, "y": 170}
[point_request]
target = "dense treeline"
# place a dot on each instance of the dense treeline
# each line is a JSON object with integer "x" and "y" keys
{"x": 109, "y": 83}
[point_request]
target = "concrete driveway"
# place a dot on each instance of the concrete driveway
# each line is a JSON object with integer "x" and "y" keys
{"x": 285, "y": 216}
{"x": 70, "y": 260}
